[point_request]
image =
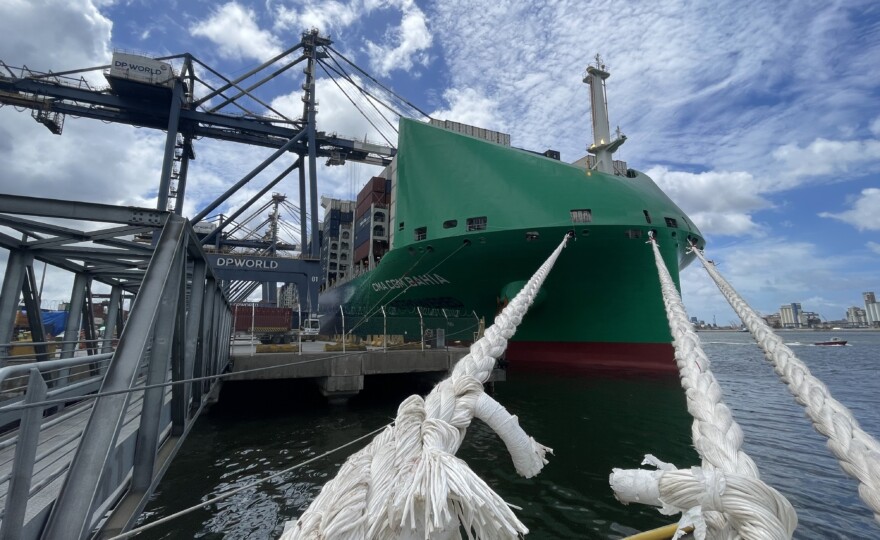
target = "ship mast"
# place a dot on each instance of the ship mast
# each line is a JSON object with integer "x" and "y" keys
{"x": 603, "y": 147}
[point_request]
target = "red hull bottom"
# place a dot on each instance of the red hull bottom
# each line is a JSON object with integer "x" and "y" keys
{"x": 632, "y": 358}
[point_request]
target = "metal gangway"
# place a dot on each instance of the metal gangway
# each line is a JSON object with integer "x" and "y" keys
{"x": 87, "y": 433}
{"x": 90, "y": 431}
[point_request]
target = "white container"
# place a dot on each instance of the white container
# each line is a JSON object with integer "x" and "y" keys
{"x": 141, "y": 69}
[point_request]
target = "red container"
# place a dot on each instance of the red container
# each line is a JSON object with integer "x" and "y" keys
{"x": 378, "y": 199}
{"x": 375, "y": 184}
{"x": 262, "y": 318}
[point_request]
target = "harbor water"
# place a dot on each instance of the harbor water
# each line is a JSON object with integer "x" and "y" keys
{"x": 593, "y": 422}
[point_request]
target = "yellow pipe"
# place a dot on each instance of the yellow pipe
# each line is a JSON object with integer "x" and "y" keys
{"x": 662, "y": 533}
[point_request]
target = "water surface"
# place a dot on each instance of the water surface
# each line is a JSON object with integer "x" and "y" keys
{"x": 593, "y": 423}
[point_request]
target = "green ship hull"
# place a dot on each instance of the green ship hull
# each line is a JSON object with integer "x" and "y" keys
{"x": 601, "y": 304}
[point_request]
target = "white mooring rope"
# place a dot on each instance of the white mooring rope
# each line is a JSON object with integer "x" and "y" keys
{"x": 407, "y": 483}
{"x": 725, "y": 497}
{"x": 857, "y": 452}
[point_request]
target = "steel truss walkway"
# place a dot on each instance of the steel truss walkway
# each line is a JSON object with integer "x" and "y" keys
{"x": 90, "y": 433}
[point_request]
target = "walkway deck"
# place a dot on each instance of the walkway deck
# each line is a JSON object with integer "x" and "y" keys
{"x": 58, "y": 442}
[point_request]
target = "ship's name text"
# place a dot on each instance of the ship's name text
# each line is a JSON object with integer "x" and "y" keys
{"x": 409, "y": 281}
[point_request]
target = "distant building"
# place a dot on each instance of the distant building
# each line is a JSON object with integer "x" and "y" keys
{"x": 288, "y": 296}
{"x": 872, "y": 309}
{"x": 856, "y": 316}
{"x": 809, "y": 319}
{"x": 789, "y": 315}
{"x": 773, "y": 321}
{"x": 337, "y": 240}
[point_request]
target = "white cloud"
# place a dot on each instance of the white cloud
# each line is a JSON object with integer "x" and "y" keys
{"x": 874, "y": 246}
{"x": 235, "y": 32}
{"x": 719, "y": 203}
{"x": 771, "y": 272}
{"x": 50, "y": 35}
{"x": 337, "y": 114}
{"x": 875, "y": 126}
{"x": 827, "y": 158}
{"x": 865, "y": 213}
{"x": 405, "y": 45}
{"x": 720, "y": 102}
{"x": 326, "y": 16}
{"x": 468, "y": 106}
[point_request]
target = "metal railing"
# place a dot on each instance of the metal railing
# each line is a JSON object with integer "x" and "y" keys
{"x": 117, "y": 418}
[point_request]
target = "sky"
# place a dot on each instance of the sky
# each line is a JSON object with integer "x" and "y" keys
{"x": 761, "y": 120}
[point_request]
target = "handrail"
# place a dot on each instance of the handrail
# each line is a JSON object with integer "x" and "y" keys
{"x": 7, "y": 371}
{"x": 60, "y": 342}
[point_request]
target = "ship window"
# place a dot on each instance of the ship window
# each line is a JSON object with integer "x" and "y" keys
{"x": 345, "y": 235}
{"x": 400, "y": 227}
{"x": 476, "y": 223}
{"x": 584, "y": 215}
{"x": 633, "y": 233}
{"x": 647, "y": 216}
{"x": 421, "y": 233}
{"x": 450, "y": 223}
{"x": 670, "y": 222}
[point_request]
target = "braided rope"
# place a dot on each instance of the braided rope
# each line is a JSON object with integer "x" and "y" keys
{"x": 725, "y": 496}
{"x": 857, "y": 452}
{"x": 407, "y": 482}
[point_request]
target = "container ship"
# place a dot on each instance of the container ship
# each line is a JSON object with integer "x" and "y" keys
{"x": 453, "y": 228}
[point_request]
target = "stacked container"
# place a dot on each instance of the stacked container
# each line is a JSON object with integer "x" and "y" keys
{"x": 373, "y": 196}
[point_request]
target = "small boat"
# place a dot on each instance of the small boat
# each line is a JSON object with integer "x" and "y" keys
{"x": 832, "y": 341}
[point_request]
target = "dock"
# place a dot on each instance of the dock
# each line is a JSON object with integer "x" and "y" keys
{"x": 340, "y": 376}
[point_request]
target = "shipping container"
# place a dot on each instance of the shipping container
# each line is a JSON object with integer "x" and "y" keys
{"x": 362, "y": 232}
{"x": 256, "y": 318}
{"x": 375, "y": 184}
{"x": 473, "y": 131}
{"x": 378, "y": 200}
{"x": 361, "y": 252}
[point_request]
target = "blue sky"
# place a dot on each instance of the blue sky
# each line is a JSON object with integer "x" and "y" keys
{"x": 760, "y": 119}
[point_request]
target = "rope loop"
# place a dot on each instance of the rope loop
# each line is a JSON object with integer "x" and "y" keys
{"x": 407, "y": 482}
{"x": 857, "y": 452}
{"x": 724, "y": 498}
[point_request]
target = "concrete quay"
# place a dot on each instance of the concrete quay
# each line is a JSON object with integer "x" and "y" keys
{"x": 340, "y": 376}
